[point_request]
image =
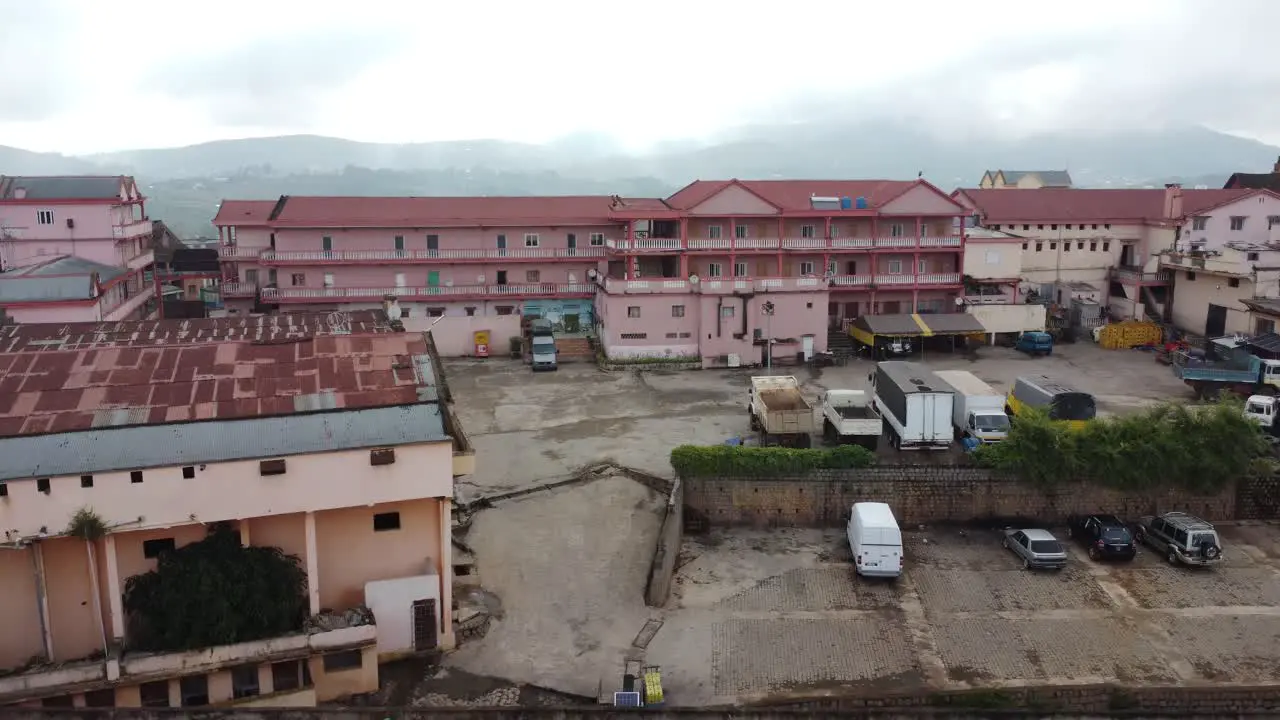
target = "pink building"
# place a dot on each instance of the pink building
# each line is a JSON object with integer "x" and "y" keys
{"x": 75, "y": 249}
{"x": 290, "y": 432}
{"x": 684, "y": 276}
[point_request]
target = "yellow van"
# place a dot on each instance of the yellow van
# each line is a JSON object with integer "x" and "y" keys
{"x": 1063, "y": 402}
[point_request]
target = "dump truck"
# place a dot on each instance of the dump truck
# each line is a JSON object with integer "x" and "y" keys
{"x": 779, "y": 412}
{"x": 848, "y": 418}
{"x": 915, "y": 404}
{"x": 978, "y": 410}
{"x": 1227, "y": 366}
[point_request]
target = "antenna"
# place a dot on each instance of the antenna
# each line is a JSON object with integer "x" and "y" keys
{"x": 339, "y": 322}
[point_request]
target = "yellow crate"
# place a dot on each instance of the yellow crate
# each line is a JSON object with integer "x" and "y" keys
{"x": 1130, "y": 334}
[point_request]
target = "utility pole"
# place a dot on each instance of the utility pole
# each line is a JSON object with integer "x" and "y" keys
{"x": 768, "y": 308}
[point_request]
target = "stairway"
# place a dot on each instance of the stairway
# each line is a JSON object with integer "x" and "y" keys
{"x": 576, "y": 348}
{"x": 839, "y": 343}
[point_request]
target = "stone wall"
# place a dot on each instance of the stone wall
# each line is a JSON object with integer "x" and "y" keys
{"x": 1258, "y": 499}
{"x": 920, "y": 495}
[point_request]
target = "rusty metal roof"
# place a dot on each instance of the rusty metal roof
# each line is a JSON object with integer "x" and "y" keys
{"x": 150, "y": 373}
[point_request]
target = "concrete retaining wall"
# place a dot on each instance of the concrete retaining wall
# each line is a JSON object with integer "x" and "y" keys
{"x": 663, "y": 569}
{"x": 921, "y": 495}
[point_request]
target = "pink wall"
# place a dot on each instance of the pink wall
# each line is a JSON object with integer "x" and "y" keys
{"x": 454, "y": 333}
{"x": 85, "y": 312}
{"x": 1217, "y": 230}
{"x": 449, "y": 238}
{"x": 22, "y": 639}
{"x": 351, "y": 552}
{"x": 418, "y": 276}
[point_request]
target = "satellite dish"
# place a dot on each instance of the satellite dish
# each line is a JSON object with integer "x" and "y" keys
{"x": 959, "y": 301}
{"x": 693, "y": 279}
{"x": 591, "y": 273}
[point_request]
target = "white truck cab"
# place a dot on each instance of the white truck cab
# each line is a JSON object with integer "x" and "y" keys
{"x": 1262, "y": 410}
{"x": 1270, "y": 374}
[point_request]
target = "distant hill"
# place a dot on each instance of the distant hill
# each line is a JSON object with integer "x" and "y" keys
{"x": 185, "y": 184}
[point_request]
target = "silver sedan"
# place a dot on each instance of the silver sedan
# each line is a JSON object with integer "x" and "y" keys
{"x": 1036, "y": 548}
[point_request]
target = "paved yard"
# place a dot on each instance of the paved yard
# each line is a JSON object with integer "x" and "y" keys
{"x": 530, "y": 428}
{"x": 765, "y": 614}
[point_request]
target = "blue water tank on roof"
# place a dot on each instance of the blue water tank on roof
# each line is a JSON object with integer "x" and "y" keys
{"x": 846, "y": 203}
{"x": 862, "y": 203}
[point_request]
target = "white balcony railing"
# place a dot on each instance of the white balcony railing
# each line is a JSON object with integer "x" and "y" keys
{"x": 141, "y": 260}
{"x": 614, "y": 286}
{"x": 131, "y": 229}
{"x": 800, "y": 243}
{"x": 238, "y": 289}
{"x": 645, "y": 244}
{"x": 444, "y": 292}
{"x": 238, "y": 252}
{"x": 268, "y": 257}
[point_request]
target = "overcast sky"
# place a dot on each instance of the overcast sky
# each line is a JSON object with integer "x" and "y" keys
{"x": 81, "y": 76}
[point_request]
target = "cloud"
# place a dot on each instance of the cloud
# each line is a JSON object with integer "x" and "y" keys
{"x": 276, "y": 81}
{"x": 37, "y": 80}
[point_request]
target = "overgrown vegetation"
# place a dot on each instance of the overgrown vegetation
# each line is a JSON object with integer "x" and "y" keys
{"x": 216, "y": 592}
{"x": 737, "y": 461}
{"x": 1198, "y": 449}
{"x": 86, "y": 525}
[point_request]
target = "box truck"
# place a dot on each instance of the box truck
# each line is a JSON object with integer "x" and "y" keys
{"x": 977, "y": 410}
{"x": 915, "y": 404}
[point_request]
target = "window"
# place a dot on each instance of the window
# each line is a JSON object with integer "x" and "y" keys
{"x": 345, "y": 660}
{"x": 433, "y": 245}
{"x": 923, "y": 266}
{"x": 1080, "y": 246}
{"x": 152, "y": 549}
{"x": 60, "y": 701}
{"x": 531, "y": 240}
{"x": 503, "y": 309}
{"x": 677, "y": 311}
{"x": 1095, "y": 226}
{"x": 1251, "y": 256}
{"x": 398, "y": 242}
{"x": 4, "y": 490}
{"x": 298, "y": 279}
{"x": 713, "y": 269}
{"x": 42, "y": 485}
{"x": 596, "y": 239}
{"x": 895, "y": 230}
{"x": 1191, "y": 276}
{"x": 895, "y": 267}
{"x": 633, "y": 311}
{"x": 1053, "y": 226}
{"x": 188, "y": 472}
{"x": 835, "y": 231}
{"x": 1039, "y": 227}
{"x": 1262, "y": 326}
{"x": 1106, "y": 246}
{"x": 289, "y": 675}
{"x": 326, "y": 243}
{"x": 1237, "y": 223}
{"x": 726, "y": 311}
{"x": 1039, "y": 247}
{"x": 471, "y": 310}
{"x": 1024, "y": 247}
{"x": 382, "y": 456}
{"x": 713, "y": 232}
{"x": 634, "y": 336}
{"x": 739, "y": 269}
{"x": 271, "y": 467}
{"x": 386, "y": 521}
{"x": 685, "y": 335}
{"x": 244, "y": 681}
{"x": 831, "y": 267}
{"x": 435, "y": 312}
{"x": 100, "y": 698}
{"x": 194, "y": 690}
{"x": 1199, "y": 223}
{"x": 740, "y": 231}
{"x": 135, "y": 476}
{"x": 672, "y": 336}
{"x": 1026, "y": 227}
{"x": 404, "y": 313}
{"x": 328, "y": 279}
{"x": 806, "y": 268}
{"x": 1053, "y": 246}
{"x": 1106, "y": 226}
{"x": 1233, "y": 282}
{"x": 533, "y": 276}
{"x": 807, "y": 231}
{"x": 1093, "y": 247}
{"x": 154, "y": 694}
{"x": 1066, "y": 247}
{"x": 924, "y": 230}
{"x": 44, "y": 217}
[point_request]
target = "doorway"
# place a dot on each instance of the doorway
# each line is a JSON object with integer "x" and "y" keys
{"x": 1215, "y": 321}
{"x": 425, "y": 635}
{"x": 502, "y": 277}
{"x": 1126, "y": 255}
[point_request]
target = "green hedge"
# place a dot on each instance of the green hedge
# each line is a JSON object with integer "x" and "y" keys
{"x": 738, "y": 461}
{"x": 1199, "y": 449}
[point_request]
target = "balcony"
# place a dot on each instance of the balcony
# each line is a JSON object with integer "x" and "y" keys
{"x": 141, "y": 260}
{"x": 1230, "y": 263}
{"x": 239, "y": 252}
{"x": 892, "y": 281}
{"x": 614, "y": 286}
{"x": 717, "y": 286}
{"x": 446, "y": 292}
{"x": 238, "y": 289}
{"x": 1135, "y": 276}
{"x": 132, "y": 229}
{"x": 411, "y": 257}
{"x": 667, "y": 245}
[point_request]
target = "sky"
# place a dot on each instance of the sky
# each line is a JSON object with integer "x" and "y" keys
{"x": 83, "y": 76}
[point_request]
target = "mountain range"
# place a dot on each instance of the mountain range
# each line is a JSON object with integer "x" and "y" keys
{"x": 186, "y": 184}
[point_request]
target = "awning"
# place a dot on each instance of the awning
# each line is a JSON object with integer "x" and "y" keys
{"x": 1266, "y": 342}
{"x": 867, "y": 327}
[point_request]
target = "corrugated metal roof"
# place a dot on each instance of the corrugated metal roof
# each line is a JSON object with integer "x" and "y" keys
{"x": 148, "y": 446}
{"x": 60, "y": 278}
{"x": 63, "y": 188}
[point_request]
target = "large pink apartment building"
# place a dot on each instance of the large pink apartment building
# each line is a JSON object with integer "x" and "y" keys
{"x": 75, "y": 249}
{"x": 710, "y": 272}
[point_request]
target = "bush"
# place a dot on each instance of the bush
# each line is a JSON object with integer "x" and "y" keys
{"x": 1199, "y": 449}
{"x": 731, "y": 461}
{"x": 215, "y": 592}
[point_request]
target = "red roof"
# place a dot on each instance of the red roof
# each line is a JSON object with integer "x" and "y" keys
{"x": 409, "y": 212}
{"x": 1079, "y": 205}
{"x": 244, "y": 212}
{"x": 75, "y": 389}
{"x": 795, "y": 195}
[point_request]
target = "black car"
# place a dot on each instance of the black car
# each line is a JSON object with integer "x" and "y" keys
{"x": 1105, "y": 536}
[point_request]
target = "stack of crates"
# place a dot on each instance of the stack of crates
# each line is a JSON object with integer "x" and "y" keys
{"x": 1130, "y": 334}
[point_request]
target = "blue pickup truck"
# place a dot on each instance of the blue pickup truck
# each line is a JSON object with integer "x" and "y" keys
{"x": 1236, "y": 370}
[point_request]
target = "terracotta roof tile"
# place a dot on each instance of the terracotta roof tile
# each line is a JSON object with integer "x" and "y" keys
{"x": 794, "y": 195}
{"x": 244, "y": 212}
{"x": 1080, "y": 205}
{"x": 316, "y": 211}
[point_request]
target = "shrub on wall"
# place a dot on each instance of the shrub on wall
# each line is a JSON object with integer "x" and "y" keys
{"x": 215, "y": 592}
{"x": 729, "y": 461}
{"x": 1199, "y": 449}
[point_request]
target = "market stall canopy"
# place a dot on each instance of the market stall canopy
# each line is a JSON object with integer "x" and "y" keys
{"x": 867, "y": 327}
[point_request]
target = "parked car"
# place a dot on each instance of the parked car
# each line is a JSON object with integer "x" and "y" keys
{"x": 1034, "y": 343}
{"x": 1037, "y": 548}
{"x": 1182, "y": 538}
{"x": 1104, "y": 536}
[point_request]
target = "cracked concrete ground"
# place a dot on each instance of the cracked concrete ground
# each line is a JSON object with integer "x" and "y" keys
{"x": 530, "y": 428}
{"x": 779, "y": 613}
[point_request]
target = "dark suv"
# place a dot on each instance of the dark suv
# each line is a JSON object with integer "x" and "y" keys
{"x": 1104, "y": 536}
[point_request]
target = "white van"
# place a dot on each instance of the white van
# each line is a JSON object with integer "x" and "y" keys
{"x": 875, "y": 540}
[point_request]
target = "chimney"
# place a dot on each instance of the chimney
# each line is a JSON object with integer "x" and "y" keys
{"x": 1172, "y": 201}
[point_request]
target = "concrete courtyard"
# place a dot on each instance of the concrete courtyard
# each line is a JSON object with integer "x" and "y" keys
{"x": 530, "y": 428}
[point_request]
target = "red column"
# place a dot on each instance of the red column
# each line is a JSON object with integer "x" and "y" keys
{"x": 915, "y": 261}
{"x": 782, "y": 231}
{"x": 826, "y": 256}
{"x": 684, "y": 248}
{"x": 628, "y": 258}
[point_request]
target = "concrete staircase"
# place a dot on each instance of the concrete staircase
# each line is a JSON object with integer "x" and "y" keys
{"x": 570, "y": 349}
{"x": 839, "y": 343}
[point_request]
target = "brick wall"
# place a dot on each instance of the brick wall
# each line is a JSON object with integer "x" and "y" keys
{"x": 920, "y": 495}
{"x": 1258, "y": 499}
